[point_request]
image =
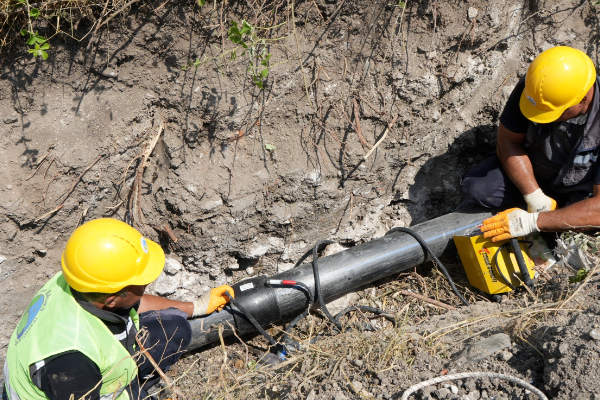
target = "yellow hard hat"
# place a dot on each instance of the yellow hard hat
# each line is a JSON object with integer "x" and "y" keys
{"x": 557, "y": 79}
{"x": 105, "y": 255}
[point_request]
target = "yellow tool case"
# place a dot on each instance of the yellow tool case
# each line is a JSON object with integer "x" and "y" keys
{"x": 488, "y": 273}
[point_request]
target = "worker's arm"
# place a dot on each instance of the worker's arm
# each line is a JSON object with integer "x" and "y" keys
{"x": 213, "y": 300}
{"x": 580, "y": 216}
{"x": 150, "y": 303}
{"x": 515, "y": 161}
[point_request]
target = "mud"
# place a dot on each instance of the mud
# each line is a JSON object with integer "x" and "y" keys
{"x": 249, "y": 179}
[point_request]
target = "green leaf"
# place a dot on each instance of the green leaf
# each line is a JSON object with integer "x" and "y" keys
{"x": 269, "y": 147}
{"x": 233, "y": 55}
{"x": 265, "y": 63}
{"x": 44, "y": 54}
{"x": 246, "y": 27}
{"x": 201, "y": 3}
{"x": 581, "y": 275}
{"x": 264, "y": 73}
{"x": 34, "y": 13}
{"x": 24, "y": 32}
{"x": 32, "y": 51}
{"x": 31, "y": 41}
{"x": 259, "y": 84}
{"x": 45, "y": 46}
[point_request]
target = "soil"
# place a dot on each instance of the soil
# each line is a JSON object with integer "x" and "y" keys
{"x": 249, "y": 179}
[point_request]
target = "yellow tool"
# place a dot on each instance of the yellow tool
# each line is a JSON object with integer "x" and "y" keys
{"x": 490, "y": 272}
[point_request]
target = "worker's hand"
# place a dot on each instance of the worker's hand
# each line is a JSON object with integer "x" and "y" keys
{"x": 212, "y": 301}
{"x": 539, "y": 202}
{"x": 508, "y": 224}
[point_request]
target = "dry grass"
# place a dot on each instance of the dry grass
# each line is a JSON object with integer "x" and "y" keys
{"x": 393, "y": 348}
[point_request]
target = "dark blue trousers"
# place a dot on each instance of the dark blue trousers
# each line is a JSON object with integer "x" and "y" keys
{"x": 486, "y": 184}
{"x": 169, "y": 335}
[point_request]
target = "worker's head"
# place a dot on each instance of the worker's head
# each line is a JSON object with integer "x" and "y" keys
{"x": 110, "y": 262}
{"x": 558, "y": 85}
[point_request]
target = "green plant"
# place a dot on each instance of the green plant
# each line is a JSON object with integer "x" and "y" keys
{"x": 581, "y": 275}
{"x": 400, "y": 4}
{"x": 258, "y": 57}
{"x": 269, "y": 147}
{"x": 39, "y": 43}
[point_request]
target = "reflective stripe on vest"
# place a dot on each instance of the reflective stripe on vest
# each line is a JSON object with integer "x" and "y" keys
{"x": 12, "y": 395}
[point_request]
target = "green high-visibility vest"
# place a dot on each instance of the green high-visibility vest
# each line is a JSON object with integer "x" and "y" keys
{"x": 53, "y": 324}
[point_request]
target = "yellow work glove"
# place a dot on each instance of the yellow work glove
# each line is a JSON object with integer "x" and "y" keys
{"x": 508, "y": 224}
{"x": 539, "y": 202}
{"x": 212, "y": 301}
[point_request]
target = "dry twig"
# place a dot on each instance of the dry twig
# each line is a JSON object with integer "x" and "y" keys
{"x": 391, "y": 124}
{"x": 76, "y": 180}
{"x": 426, "y": 299}
{"x": 176, "y": 392}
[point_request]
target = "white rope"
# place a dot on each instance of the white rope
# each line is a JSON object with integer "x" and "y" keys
{"x": 464, "y": 375}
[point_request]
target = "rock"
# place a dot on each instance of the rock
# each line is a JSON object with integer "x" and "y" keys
{"x": 250, "y": 271}
{"x": 165, "y": 284}
{"x": 504, "y": 356}
{"x": 442, "y": 393}
{"x": 2, "y": 258}
{"x": 357, "y": 386}
{"x": 594, "y": 333}
{"x": 472, "y": 13}
{"x": 172, "y": 266}
{"x": 563, "y": 349}
{"x": 11, "y": 120}
{"x": 452, "y": 388}
{"x": 358, "y": 363}
{"x": 340, "y": 396}
{"x": 312, "y": 395}
{"x": 212, "y": 204}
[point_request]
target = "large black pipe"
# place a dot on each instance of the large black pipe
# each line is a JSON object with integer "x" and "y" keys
{"x": 340, "y": 273}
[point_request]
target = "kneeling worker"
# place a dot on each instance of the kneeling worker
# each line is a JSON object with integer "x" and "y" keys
{"x": 77, "y": 337}
{"x": 548, "y": 145}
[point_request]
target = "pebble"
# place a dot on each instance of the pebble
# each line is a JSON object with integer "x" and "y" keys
{"x": 312, "y": 395}
{"x": 357, "y": 386}
{"x": 358, "y": 363}
{"x": 472, "y": 13}
{"x": 2, "y": 258}
{"x": 563, "y": 349}
{"x": 340, "y": 396}
{"x": 504, "y": 356}
{"x": 442, "y": 393}
{"x": 595, "y": 334}
{"x": 11, "y": 120}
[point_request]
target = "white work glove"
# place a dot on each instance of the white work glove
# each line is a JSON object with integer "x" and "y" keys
{"x": 212, "y": 301}
{"x": 508, "y": 224}
{"x": 539, "y": 202}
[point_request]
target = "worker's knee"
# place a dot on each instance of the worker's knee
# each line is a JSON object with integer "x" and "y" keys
{"x": 170, "y": 325}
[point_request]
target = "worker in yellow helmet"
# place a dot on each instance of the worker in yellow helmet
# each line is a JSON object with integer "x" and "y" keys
{"x": 547, "y": 151}
{"x": 78, "y": 335}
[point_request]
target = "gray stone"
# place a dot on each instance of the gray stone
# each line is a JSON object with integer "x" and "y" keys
{"x": 472, "y": 13}
{"x": 312, "y": 395}
{"x": 2, "y": 258}
{"x": 358, "y": 363}
{"x": 357, "y": 386}
{"x": 594, "y": 333}
{"x": 172, "y": 266}
{"x": 340, "y": 396}
{"x": 165, "y": 284}
{"x": 442, "y": 393}
{"x": 563, "y": 349}
{"x": 504, "y": 356}
{"x": 11, "y": 120}
{"x": 212, "y": 204}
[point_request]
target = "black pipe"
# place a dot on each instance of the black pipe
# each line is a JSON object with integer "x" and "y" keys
{"x": 340, "y": 273}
